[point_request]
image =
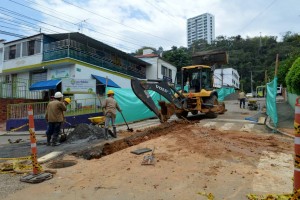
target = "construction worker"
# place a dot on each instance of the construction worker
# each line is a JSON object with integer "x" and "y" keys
{"x": 67, "y": 101}
{"x": 242, "y": 98}
{"x": 110, "y": 106}
{"x": 55, "y": 117}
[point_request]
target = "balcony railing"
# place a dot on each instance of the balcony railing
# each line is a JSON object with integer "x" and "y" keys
{"x": 91, "y": 58}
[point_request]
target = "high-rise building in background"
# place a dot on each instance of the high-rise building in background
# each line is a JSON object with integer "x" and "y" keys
{"x": 201, "y": 27}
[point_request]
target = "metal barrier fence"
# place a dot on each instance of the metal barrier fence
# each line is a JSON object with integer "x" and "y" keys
{"x": 77, "y": 107}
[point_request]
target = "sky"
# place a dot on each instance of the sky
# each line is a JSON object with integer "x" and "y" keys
{"x": 131, "y": 24}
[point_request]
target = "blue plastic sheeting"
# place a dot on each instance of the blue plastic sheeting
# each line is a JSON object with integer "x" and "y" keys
{"x": 271, "y": 101}
{"x": 102, "y": 80}
{"x": 132, "y": 107}
{"x": 44, "y": 85}
{"x": 223, "y": 92}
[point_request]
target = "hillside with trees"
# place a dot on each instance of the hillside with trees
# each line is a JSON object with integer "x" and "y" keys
{"x": 256, "y": 54}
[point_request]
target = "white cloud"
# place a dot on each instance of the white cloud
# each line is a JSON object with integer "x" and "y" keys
{"x": 131, "y": 24}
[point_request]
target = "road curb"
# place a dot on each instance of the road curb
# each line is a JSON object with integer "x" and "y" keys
{"x": 276, "y": 130}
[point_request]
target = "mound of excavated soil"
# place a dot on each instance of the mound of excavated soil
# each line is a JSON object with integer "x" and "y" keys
{"x": 86, "y": 131}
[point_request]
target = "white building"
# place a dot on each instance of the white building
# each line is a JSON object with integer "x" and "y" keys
{"x": 159, "y": 68}
{"x": 35, "y": 67}
{"x": 229, "y": 76}
{"x": 201, "y": 27}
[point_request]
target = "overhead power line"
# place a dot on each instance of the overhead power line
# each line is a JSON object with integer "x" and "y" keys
{"x": 260, "y": 13}
{"x": 118, "y": 22}
{"x": 75, "y": 24}
{"x": 12, "y": 34}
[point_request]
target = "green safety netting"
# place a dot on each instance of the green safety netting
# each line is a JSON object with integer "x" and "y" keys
{"x": 271, "y": 101}
{"x": 223, "y": 92}
{"x": 132, "y": 107}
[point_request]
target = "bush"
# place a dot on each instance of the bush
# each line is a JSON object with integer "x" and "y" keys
{"x": 293, "y": 77}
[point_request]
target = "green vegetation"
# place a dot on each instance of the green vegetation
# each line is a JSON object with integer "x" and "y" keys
{"x": 293, "y": 77}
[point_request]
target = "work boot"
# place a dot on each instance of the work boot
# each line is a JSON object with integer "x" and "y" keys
{"x": 48, "y": 140}
{"x": 54, "y": 142}
{"x": 115, "y": 132}
{"x": 106, "y": 133}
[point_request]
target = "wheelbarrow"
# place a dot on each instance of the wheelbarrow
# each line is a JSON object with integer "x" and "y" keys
{"x": 98, "y": 121}
{"x": 252, "y": 105}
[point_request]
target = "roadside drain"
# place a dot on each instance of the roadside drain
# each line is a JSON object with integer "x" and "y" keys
{"x": 61, "y": 164}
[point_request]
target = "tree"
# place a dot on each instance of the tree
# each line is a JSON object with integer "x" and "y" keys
{"x": 293, "y": 77}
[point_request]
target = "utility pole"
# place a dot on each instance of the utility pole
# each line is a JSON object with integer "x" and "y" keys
{"x": 222, "y": 76}
{"x": 260, "y": 44}
{"x": 251, "y": 83}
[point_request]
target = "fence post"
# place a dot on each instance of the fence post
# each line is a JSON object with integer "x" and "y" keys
{"x": 35, "y": 165}
{"x": 297, "y": 146}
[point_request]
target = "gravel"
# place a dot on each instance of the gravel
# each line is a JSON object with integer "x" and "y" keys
{"x": 85, "y": 131}
{"x": 10, "y": 183}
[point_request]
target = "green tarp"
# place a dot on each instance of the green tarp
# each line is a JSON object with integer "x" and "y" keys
{"x": 271, "y": 101}
{"x": 223, "y": 92}
{"x": 132, "y": 107}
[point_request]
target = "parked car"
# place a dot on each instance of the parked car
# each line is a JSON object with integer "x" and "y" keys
{"x": 249, "y": 95}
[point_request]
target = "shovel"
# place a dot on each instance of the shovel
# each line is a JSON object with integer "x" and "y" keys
{"x": 128, "y": 129}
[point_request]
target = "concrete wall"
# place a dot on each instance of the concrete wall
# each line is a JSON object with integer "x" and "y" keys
{"x": 154, "y": 70}
{"x": 22, "y": 61}
{"x": 82, "y": 72}
{"x": 291, "y": 98}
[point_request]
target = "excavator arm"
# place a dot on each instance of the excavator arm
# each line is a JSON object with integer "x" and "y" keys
{"x": 140, "y": 88}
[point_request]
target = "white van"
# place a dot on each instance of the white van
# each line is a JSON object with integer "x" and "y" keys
{"x": 279, "y": 90}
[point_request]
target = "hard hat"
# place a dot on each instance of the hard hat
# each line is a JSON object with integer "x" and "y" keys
{"x": 110, "y": 92}
{"x": 58, "y": 95}
{"x": 68, "y": 100}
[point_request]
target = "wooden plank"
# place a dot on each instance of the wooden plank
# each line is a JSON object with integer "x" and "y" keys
{"x": 49, "y": 156}
{"x": 261, "y": 120}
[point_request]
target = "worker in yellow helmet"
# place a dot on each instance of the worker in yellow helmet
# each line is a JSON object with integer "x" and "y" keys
{"x": 67, "y": 101}
{"x": 110, "y": 107}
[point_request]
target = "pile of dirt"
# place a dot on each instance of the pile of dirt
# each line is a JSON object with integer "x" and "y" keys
{"x": 86, "y": 131}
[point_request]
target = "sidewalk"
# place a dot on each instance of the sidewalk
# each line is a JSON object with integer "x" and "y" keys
{"x": 286, "y": 116}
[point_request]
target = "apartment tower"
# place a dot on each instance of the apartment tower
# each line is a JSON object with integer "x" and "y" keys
{"x": 201, "y": 27}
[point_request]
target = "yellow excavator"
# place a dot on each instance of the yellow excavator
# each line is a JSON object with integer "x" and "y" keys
{"x": 196, "y": 93}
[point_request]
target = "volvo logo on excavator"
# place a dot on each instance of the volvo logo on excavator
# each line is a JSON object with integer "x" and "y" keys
{"x": 162, "y": 89}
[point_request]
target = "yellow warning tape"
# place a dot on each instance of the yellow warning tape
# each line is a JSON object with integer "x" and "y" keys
{"x": 297, "y": 161}
{"x": 19, "y": 158}
{"x": 297, "y": 128}
{"x": 270, "y": 197}
{"x": 209, "y": 196}
{"x": 17, "y": 165}
{"x": 18, "y": 128}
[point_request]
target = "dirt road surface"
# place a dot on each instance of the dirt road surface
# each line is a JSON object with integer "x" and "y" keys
{"x": 189, "y": 158}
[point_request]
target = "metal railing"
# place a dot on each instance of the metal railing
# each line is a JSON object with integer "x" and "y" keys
{"x": 17, "y": 89}
{"x": 77, "y": 107}
{"x": 89, "y": 56}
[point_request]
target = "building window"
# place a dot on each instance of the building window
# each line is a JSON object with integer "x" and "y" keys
{"x": 12, "y": 52}
{"x": 166, "y": 72}
{"x": 7, "y": 78}
{"x": 31, "y": 47}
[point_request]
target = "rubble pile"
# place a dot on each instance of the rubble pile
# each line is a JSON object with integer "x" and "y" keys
{"x": 85, "y": 131}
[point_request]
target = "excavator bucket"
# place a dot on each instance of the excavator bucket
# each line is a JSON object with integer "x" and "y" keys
{"x": 221, "y": 108}
{"x": 166, "y": 110}
{"x": 141, "y": 87}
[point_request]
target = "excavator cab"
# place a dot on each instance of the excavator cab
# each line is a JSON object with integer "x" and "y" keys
{"x": 195, "y": 78}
